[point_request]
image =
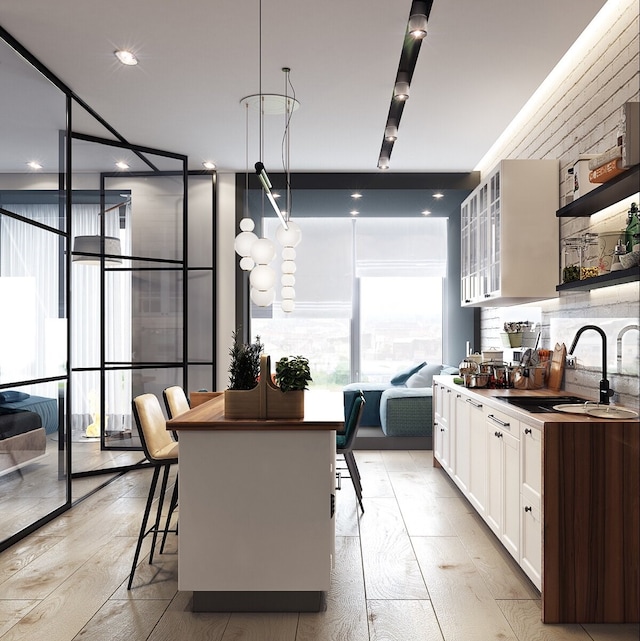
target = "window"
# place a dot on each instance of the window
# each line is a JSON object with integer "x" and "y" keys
{"x": 368, "y": 298}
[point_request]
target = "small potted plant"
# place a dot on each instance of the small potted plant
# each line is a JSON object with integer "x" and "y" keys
{"x": 293, "y": 373}
{"x": 244, "y": 369}
{"x": 242, "y": 398}
{"x": 285, "y": 398}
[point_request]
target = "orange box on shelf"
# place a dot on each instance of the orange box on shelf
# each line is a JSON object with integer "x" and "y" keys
{"x": 605, "y": 172}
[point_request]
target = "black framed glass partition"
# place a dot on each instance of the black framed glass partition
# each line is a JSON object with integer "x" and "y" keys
{"x": 96, "y": 263}
{"x": 129, "y": 266}
{"x": 34, "y": 480}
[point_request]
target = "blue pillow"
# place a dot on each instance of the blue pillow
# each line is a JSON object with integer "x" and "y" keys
{"x": 403, "y": 376}
{"x": 12, "y": 396}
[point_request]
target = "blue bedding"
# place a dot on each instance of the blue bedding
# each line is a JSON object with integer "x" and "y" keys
{"x": 47, "y": 408}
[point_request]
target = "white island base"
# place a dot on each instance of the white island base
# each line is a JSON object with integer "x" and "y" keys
{"x": 256, "y": 518}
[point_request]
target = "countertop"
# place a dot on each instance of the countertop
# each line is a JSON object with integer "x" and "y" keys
{"x": 538, "y": 420}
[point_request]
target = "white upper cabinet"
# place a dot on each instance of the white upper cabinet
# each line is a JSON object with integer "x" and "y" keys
{"x": 509, "y": 235}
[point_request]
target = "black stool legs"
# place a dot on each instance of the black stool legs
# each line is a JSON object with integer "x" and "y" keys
{"x": 156, "y": 527}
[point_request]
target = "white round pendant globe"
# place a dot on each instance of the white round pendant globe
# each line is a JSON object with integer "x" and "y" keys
{"x": 246, "y": 224}
{"x": 287, "y": 280}
{"x": 263, "y": 298}
{"x": 263, "y": 251}
{"x": 288, "y": 267}
{"x": 262, "y": 277}
{"x": 289, "y": 237}
{"x": 246, "y": 263}
{"x": 288, "y": 292}
{"x": 288, "y": 253}
{"x": 288, "y": 305}
{"x": 243, "y": 243}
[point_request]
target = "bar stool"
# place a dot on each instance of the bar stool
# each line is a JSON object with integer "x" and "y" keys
{"x": 176, "y": 403}
{"x": 162, "y": 452}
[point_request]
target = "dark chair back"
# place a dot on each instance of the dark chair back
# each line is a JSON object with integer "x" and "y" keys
{"x": 353, "y": 421}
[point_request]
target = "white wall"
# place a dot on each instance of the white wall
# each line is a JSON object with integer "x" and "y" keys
{"x": 577, "y": 112}
{"x": 226, "y": 270}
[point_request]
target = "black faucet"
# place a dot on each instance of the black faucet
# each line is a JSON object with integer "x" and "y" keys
{"x": 605, "y": 392}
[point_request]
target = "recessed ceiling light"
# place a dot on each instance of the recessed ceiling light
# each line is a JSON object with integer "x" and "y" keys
{"x": 207, "y": 164}
{"x": 426, "y": 212}
{"x": 126, "y": 57}
{"x": 355, "y": 195}
{"x": 34, "y": 164}
{"x": 354, "y": 212}
{"x": 438, "y": 195}
{"x": 122, "y": 165}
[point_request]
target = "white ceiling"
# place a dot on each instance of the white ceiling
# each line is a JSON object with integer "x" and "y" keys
{"x": 477, "y": 67}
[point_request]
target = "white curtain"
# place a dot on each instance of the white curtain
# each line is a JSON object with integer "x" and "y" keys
{"x": 85, "y": 327}
{"x": 324, "y": 267}
{"x": 29, "y": 325}
{"x": 401, "y": 247}
{"x": 33, "y": 337}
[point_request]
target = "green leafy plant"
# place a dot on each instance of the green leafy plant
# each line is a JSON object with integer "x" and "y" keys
{"x": 293, "y": 373}
{"x": 244, "y": 369}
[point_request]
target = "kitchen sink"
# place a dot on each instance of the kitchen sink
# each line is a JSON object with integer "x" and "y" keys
{"x": 539, "y": 404}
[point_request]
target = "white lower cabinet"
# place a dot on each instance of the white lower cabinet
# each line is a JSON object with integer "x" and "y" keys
{"x": 496, "y": 462}
{"x": 530, "y": 497}
{"x": 462, "y": 443}
{"x": 477, "y": 458}
{"x": 503, "y": 479}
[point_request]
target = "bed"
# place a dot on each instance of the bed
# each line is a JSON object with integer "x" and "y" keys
{"x": 22, "y": 439}
{"x": 25, "y": 421}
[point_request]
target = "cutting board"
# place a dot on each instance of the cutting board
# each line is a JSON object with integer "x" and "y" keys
{"x": 557, "y": 367}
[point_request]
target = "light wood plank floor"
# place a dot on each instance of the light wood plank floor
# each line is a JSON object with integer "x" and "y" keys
{"x": 417, "y": 566}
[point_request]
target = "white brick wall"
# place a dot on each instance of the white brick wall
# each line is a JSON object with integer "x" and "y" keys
{"x": 580, "y": 115}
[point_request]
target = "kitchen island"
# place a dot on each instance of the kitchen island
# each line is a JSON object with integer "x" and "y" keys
{"x": 256, "y": 503}
{"x": 561, "y": 491}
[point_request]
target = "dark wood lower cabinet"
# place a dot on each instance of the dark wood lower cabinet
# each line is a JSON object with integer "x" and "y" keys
{"x": 591, "y": 522}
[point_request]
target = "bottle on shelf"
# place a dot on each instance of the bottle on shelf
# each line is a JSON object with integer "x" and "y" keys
{"x": 633, "y": 227}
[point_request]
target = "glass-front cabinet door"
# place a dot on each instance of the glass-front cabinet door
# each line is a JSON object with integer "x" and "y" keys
{"x": 493, "y": 234}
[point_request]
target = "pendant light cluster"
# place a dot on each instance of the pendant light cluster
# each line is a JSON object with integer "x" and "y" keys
{"x": 255, "y": 253}
{"x": 416, "y": 32}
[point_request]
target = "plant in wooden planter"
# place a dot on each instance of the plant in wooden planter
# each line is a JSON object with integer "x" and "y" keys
{"x": 244, "y": 369}
{"x": 293, "y": 373}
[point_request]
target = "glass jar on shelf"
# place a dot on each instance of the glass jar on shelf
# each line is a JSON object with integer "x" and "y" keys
{"x": 572, "y": 259}
{"x": 590, "y": 258}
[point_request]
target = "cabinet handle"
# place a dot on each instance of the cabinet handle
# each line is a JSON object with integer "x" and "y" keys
{"x": 448, "y": 391}
{"x": 472, "y": 402}
{"x": 467, "y": 300}
{"x": 528, "y": 430}
{"x": 527, "y": 508}
{"x": 498, "y": 434}
{"x": 442, "y": 429}
{"x": 458, "y": 395}
{"x": 498, "y": 421}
